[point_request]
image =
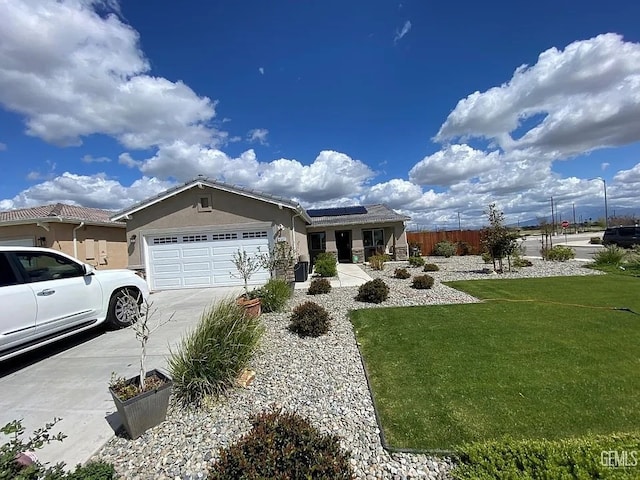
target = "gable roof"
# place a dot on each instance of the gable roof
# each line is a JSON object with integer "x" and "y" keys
{"x": 378, "y": 213}
{"x": 218, "y": 185}
{"x": 59, "y": 212}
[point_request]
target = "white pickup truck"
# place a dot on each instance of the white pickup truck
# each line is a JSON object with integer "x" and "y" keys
{"x": 46, "y": 295}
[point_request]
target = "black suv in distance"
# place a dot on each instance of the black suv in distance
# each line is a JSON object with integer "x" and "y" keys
{"x": 622, "y": 236}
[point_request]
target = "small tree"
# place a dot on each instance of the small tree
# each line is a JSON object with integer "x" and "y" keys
{"x": 280, "y": 261}
{"x": 496, "y": 239}
{"x": 246, "y": 266}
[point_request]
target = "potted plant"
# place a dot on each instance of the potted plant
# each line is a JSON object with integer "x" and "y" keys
{"x": 246, "y": 266}
{"x": 142, "y": 401}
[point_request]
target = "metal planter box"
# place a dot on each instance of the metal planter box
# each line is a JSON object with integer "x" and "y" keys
{"x": 146, "y": 410}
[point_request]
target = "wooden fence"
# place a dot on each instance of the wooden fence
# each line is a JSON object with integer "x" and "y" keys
{"x": 427, "y": 240}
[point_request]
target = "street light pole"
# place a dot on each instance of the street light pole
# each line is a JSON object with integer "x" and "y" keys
{"x": 606, "y": 208}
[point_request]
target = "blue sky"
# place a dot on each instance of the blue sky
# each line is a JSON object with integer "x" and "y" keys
{"x": 426, "y": 107}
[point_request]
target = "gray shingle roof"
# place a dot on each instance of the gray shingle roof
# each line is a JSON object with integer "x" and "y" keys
{"x": 57, "y": 212}
{"x": 378, "y": 213}
{"x": 213, "y": 183}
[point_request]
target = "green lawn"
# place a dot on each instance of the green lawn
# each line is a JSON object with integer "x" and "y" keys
{"x": 552, "y": 368}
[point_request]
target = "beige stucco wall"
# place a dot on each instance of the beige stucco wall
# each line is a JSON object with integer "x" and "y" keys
{"x": 180, "y": 213}
{"x": 101, "y": 246}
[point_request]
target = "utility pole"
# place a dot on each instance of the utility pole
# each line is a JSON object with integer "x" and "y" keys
{"x": 553, "y": 219}
{"x": 575, "y": 227}
{"x": 459, "y": 226}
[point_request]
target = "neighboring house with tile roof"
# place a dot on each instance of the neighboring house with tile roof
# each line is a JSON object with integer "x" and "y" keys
{"x": 186, "y": 236}
{"x": 88, "y": 234}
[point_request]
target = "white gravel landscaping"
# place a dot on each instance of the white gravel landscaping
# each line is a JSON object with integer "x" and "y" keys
{"x": 320, "y": 378}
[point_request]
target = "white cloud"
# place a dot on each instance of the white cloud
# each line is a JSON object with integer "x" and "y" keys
{"x": 92, "y": 159}
{"x": 330, "y": 175}
{"x": 587, "y": 96}
{"x": 127, "y": 160}
{"x": 258, "y": 135}
{"x": 402, "y": 32}
{"x": 395, "y": 193}
{"x": 628, "y": 176}
{"x": 453, "y": 164}
{"x": 604, "y": 166}
{"x": 97, "y": 191}
{"x": 261, "y": 70}
{"x": 74, "y": 73}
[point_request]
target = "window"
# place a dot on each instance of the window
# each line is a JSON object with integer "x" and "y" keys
{"x": 204, "y": 203}
{"x": 373, "y": 238}
{"x": 41, "y": 267}
{"x": 224, "y": 236}
{"x": 7, "y": 277}
{"x": 254, "y": 234}
{"x": 318, "y": 241}
{"x": 164, "y": 240}
{"x": 194, "y": 238}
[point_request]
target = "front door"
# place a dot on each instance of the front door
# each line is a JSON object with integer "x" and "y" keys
{"x": 343, "y": 245}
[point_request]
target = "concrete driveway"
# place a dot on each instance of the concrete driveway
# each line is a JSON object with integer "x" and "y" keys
{"x": 70, "y": 378}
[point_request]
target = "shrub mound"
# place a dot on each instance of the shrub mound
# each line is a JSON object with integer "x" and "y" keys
{"x": 401, "y": 273}
{"x": 319, "y": 286}
{"x": 377, "y": 261}
{"x": 309, "y": 320}
{"x": 374, "y": 291}
{"x": 431, "y": 267}
{"x": 274, "y": 295}
{"x": 325, "y": 265}
{"x": 208, "y": 360}
{"x": 559, "y": 253}
{"x": 444, "y": 249}
{"x": 610, "y": 255}
{"x": 283, "y": 446}
{"x": 15, "y": 445}
{"x": 422, "y": 282}
{"x": 416, "y": 261}
{"x": 464, "y": 248}
{"x": 581, "y": 458}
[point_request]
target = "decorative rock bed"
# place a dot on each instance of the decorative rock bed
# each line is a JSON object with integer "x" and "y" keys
{"x": 320, "y": 378}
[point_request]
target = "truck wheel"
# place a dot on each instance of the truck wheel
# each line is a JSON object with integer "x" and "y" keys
{"x": 124, "y": 308}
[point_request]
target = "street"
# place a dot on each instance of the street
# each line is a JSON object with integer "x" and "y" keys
{"x": 579, "y": 242}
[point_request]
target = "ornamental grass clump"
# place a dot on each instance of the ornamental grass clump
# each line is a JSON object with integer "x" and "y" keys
{"x": 283, "y": 446}
{"x": 431, "y": 267}
{"x": 319, "y": 286}
{"x": 377, "y": 261}
{"x": 444, "y": 249}
{"x": 325, "y": 265}
{"x": 374, "y": 291}
{"x": 401, "y": 273}
{"x": 416, "y": 261}
{"x": 610, "y": 255}
{"x": 422, "y": 282}
{"x": 209, "y": 359}
{"x": 309, "y": 320}
{"x": 274, "y": 295}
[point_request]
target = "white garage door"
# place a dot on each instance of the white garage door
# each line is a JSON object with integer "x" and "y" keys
{"x": 203, "y": 259}
{"x": 18, "y": 242}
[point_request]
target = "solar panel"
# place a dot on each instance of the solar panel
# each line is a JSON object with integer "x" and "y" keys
{"x": 333, "y": 212}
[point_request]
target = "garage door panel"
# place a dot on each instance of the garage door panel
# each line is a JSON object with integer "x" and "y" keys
{"x": 196, "y": 252}
{"x": 167, "y": 283}
{"x": 198, "y": 281}
{"x": 162, "y": 254}
{"x": 197, "y": 267}
{"x": 173, "y": 268}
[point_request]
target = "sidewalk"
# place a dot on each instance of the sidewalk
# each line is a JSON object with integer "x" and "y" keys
{"x": 349, "y": 275}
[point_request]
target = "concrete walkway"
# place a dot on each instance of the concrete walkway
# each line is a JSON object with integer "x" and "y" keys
{"x": 349, "y": 275}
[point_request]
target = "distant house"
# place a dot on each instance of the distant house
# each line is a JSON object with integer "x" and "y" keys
{"x": 86, "y": 233}
{"x": 186, "y": 236}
